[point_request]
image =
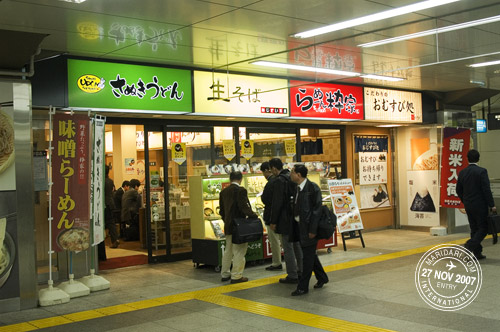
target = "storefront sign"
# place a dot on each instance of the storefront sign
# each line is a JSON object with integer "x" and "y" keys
{"x": 370, "y": 144}
{"x": 228, "y": 149}
{"x": 70, "y": 189}
{"x": 240, "y": 95}
{"x": 98, "y": 182}
{"x": 392, "y": 105}
{"x": 94, "y": 84}
{"x": 372, "y": 167}
{"x": 247, "y": 148}
{"x": 453, "y": 160}
{"x": 323, "y": 100}
{"x": 345, "y": 205}
{"x": 179, "y": 152}
{"x": 290, "y": 147}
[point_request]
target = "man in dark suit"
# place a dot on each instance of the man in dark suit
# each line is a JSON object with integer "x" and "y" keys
{"x": 117, "y": 198}
{"x": 473, "y": 188}
{"x": 234, "y": 203}
{"x": 307, "y": 211}
{"x": 131, "y": 202}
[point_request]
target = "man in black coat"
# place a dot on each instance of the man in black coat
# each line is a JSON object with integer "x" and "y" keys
{"x": 281, "y": 220}
{"x": 117, "y": 197}
{"x": 473, "y": 188}
{"x": 307, "y": 211}
{"x": 234, "y": 203}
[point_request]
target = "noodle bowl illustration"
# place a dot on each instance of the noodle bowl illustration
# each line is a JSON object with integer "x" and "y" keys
{"x": 7, "y": 258}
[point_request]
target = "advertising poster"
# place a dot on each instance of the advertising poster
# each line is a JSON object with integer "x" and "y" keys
{"x": 423, "y": 198}
{"x": 229, "y": 149}
{"x": 129, "y": 164}
{"x": 98, "y": 174}
{"x": 179, "y": 152}
{"x": 7, "y": 153}
{"x": 70, "y": 176}
{"x": 290, "y": 147}
{"x": 345, "y": 205}
{"x": 374, "y": 196}
{"x": 372, "y": 167}
{"x": 453, "y": 160}
{"x": 247, "y": 148}
{"x": 9, "y": 262}
{"x": 40, "y": 171}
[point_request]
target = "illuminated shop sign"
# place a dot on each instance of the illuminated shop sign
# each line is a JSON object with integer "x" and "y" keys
{"x": 323, "y": 100}
{"x": 122, "y": 86}
{"x": 392, "y": 105}
{"x": 240, "y": 95}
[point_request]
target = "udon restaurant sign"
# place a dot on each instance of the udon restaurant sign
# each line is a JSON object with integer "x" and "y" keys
{"x": 392, "y": 105}
{"x": 323, "y": 100}
{"x": 70, "y": 177}
{"x": 107, "y": 85}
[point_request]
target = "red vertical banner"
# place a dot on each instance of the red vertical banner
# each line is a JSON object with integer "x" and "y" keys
{"x": 456, "y": 142}
{"x": 71, "y": 188}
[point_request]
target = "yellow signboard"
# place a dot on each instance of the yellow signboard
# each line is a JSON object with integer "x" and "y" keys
{"x": 247, "y": 148}
{"x": 228, "y": 149}
{"x": 290, "y": 147}
{"x": 179, "y": 152}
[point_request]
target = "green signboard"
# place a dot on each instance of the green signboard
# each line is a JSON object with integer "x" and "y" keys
{"x": 94, "y": 84}
{"x": 255, "y": 251}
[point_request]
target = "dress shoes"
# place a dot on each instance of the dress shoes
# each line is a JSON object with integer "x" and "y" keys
{"x": 237, "y": 281}
{"x": 115, "y": 244}
{"x": 299, "y": 292}
{"x": 274, "y": 268}
{"x": 289, "y": 281}
{"x": 225, "y": 278}
{"x": 320, "y": 284}
{"x": 480, "y": 256}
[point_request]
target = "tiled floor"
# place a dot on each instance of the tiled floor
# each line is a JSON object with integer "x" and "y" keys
{"x": 370, "y": 289}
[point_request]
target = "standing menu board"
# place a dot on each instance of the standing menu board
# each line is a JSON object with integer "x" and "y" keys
{"x": 345, "y": 205}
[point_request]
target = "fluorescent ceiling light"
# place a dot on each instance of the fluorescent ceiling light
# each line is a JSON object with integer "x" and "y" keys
{"x": 433, "y": 31}
{"x": 374, "y": 17}
{"x": 383, "y": 78}
{"x": 389, "y": 126}
{"x": 305, "y": 68}
{"x": 73, "y": 1}
{"x": 484, "y": 64}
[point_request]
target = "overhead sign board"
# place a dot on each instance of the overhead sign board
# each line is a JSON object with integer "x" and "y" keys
{"x": 392, "y": 105}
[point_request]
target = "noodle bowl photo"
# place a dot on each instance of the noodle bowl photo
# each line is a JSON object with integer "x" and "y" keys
{"x": 7, "y": 257}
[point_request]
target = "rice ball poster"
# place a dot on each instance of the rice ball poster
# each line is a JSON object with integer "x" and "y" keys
{"x": 345, "y": 205}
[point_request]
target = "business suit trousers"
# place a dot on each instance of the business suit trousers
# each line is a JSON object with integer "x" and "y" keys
{"x": 311, "y": 263}
{"x": 274, "y": 242}
{"x": 234, "y": 253}
{"x": 293, "y": 256}
{"x": 478, "y": 228}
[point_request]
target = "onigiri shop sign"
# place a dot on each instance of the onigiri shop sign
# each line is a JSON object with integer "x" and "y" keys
{"x": 106, "y": 85}
{"x": 70, "y": 177}
{"x": 453, "y": 160}
{"x": 392, "y": 105}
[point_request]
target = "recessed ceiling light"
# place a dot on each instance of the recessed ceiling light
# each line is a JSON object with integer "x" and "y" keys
{"x": 305, "y": 68}
{"x": 383, "y": 78}
{"x": 374, "y": 17}
{"x": 484, "y": 64}
{"x": 73, "y": 1}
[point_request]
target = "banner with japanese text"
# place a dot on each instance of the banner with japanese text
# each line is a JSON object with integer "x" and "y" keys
{"x": 454, "y": 158}
{"x": 70, "y": 189}
{"x": 372, "y": 167}
{"x": 228, "y": 149}
{"x": 345, "y": 205}
{"x": 324, "y": 100}
{"x": 179, "y": 152}
{"x": 290, "y": 147}
{"x": 98, "y": 182}
{"x": 247, "y": 148}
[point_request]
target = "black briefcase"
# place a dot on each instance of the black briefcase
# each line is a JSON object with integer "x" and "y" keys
{"x": 494, "y": 226}
{"x": 246, "y": 230}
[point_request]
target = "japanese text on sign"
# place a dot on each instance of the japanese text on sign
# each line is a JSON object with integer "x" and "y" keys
{"x": 239, "y": 93}
{"x": 139, "y": 89}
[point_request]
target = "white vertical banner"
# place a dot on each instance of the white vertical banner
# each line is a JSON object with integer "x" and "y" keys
{"x": 98, "y": 181}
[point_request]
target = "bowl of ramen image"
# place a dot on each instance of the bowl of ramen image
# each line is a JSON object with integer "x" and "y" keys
{"x": 338, "y": 201}
{"x": 74, "y": 239}
{"x": 6, "y": 141}
{"x": 7, "y": 258}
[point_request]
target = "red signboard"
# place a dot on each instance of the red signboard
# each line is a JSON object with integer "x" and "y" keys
{"x": 454, "y": 159}
{"x": 323, "y": 100}
{"x": 70, "y": 189}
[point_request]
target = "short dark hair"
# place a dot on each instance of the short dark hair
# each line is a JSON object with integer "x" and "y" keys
{"x": 300, "y": 169}
{"x": 276, "y": 163}
{"x": 135, "y": 183}
{"x": 265, "y": 166}
{"x": 126, "y": 183}
{"x": 473, "y": 156}
{"x": 235, "y": 176}
{"x": 106, "y": 169}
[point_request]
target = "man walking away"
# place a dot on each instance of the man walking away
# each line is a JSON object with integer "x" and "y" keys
{"x": 473, "y": 188}
{"x": 307, "y": 211}
{"x": 117, "y": 198}
{"x": 267, "y": 199}
{"x": 281, "y": 220}
{"x": 109, "y": 220}
{"x": 234, "y": 203}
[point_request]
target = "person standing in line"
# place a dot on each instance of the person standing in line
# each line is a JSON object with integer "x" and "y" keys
{"x": 109, "y": 220}
{"x": 131, "y": 203}
{"x": 267, "y": 199}
{"x": 117, "y": 197}
{"x": 307, "y": 211}
{"x": 473, "y": 189}
{"x": 281, "y": 220}
{"x": 234, "y": 203}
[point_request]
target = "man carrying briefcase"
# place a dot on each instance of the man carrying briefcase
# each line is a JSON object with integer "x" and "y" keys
{"x": 235, "y": 195}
